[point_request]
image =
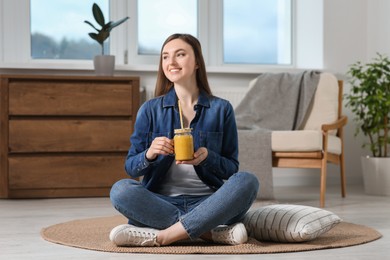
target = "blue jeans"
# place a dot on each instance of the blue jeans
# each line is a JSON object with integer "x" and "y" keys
{"x": 197, "y": 214}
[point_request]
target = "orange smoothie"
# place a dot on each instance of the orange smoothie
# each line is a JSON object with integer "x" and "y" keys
{"x": 184, "y": 145}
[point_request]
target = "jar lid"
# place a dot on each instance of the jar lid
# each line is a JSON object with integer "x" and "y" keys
{"x": 183, "y": 130}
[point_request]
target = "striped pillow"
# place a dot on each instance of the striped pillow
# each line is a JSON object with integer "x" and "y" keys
{"x": 288, "y": 223}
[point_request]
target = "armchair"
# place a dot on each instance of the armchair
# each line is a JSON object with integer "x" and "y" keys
{"x": 320, "y": 140}
{"x": 317, "y": 141}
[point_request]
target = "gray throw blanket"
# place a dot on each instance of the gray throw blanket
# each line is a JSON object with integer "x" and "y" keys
{"x": 277, "y": 101}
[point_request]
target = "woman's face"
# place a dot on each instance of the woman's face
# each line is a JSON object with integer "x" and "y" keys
{"x": 178, "y": 62}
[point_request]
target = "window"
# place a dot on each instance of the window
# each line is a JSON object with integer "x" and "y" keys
{"x": 234, "y": 33}
{"x": 258, "y": 32}
{"x": 155, "y": 25}
{"x": 58, "y": 30}
{"x": 254, "y": 32}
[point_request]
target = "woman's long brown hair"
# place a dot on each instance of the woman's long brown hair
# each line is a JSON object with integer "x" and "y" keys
{"x": 163, "y": 85}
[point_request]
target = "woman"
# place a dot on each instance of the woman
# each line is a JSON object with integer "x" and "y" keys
{"x": 205, "y": 197}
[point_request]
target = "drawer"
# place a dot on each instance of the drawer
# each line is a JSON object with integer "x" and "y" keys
{"x": 65, "y": 172}
{"x": 70, "y": 98}
{"x": 67, "y": 135}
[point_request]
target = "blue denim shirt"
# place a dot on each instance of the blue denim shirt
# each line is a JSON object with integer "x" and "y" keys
{"x": 214, "y": 127}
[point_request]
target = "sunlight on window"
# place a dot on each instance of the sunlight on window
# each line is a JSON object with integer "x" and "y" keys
{"x": 254, "y": 31}
{"x": 58, "y": 30}
{"x": 257, "y": 32}
{"x": 159, "y": 19}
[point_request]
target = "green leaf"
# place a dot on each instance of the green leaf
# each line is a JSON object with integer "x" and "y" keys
{"x": 115, "y": 24}
{"x": 98, "y": 14}
{"x": 104, "y": 32}
{"x": 91, "y": 25}
{"x": 93, "y": 36}
{"x": 369, "y": 100}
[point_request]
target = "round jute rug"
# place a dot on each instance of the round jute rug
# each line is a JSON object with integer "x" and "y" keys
{"x": 93, "y": 234}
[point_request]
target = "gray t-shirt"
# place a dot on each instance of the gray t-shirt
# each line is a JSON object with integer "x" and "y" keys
{"x": 182, "y": 179}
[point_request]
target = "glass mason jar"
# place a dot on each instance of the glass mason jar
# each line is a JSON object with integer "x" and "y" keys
{"x": 184, "y": 144}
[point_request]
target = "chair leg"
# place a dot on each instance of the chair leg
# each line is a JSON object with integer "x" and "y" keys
{"x": 342, "y": 175}
{"x": 323, "y": 183}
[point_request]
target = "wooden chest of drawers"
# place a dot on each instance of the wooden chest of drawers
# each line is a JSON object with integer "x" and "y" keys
{"x": 64, "y": 136}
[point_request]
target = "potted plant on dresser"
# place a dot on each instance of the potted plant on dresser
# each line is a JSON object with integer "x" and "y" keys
{"x": 104, "y": 64}
{"x": 369, "y": 100}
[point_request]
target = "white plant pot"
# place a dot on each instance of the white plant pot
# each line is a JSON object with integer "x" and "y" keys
{"x": 104, "y": 65}
{"x": 376, "y": 175}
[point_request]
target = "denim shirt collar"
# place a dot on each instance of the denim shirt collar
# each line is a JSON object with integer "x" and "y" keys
{"x": 170, "y": 99}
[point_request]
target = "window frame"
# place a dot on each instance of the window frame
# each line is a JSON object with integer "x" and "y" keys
{"x": 15, "y": 47}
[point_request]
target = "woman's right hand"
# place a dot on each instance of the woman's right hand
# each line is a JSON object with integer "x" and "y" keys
{"x": 160, "y": 145}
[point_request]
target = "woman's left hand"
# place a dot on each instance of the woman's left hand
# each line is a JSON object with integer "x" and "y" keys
{"x": 199, "y": 156}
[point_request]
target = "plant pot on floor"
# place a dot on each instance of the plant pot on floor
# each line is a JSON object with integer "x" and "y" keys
{"x": 376, "y": 175}
{"x": 104, "y": 65}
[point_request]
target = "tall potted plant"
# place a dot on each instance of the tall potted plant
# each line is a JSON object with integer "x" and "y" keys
{"x": 369, "y": 100}
{"x": 104, "y": 64}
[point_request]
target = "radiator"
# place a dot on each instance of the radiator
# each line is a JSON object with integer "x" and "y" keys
{"x": 233, "y": 94}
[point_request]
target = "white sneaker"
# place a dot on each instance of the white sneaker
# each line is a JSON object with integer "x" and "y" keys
{"x": 129, "y": 235}
{"x": 232, "y": 235}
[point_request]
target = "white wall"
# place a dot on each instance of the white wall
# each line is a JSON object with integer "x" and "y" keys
{"x": 378, "y": 27}
{"x": 345, "y": 43}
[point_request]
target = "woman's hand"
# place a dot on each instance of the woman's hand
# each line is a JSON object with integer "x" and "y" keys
{"x": 199, "y": 156}
{"x": 160, "y": 145}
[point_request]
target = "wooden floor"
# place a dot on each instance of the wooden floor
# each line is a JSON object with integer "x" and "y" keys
{"x": 22, "y": 220}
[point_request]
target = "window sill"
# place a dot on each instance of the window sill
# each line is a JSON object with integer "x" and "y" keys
{"x": 88, "y": 66}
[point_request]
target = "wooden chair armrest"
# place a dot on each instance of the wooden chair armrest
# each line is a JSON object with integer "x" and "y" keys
{"x": 342, "y": 121}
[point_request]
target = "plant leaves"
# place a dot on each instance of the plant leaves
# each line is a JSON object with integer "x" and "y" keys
{"x": 103, "y": 33}
{"x": 91, "y": 25}
{"x": 98, "y": 14}
{"x": 93, "y": 36}
{"x": 369, "y": 100}
{"x": 115, "y": 24}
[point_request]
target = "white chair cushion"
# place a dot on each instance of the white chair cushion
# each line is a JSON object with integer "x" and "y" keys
{"x": 303, "y": 141}
{"x": 324, "y": 108}
{"x": 288, "y": 223}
